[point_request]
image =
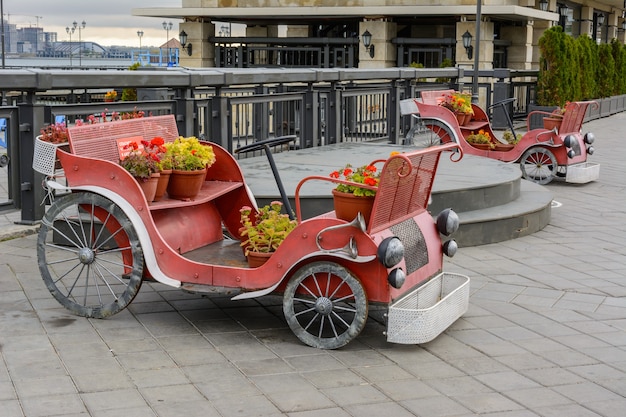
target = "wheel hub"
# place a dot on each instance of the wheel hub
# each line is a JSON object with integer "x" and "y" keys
{"x": 86, "y": 255}
{"x": 324, "y": 306}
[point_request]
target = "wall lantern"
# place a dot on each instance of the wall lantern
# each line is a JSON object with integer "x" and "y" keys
{"x": 543, "y": 5}
{"x": 563, "y": 9}
{"x": 601, "y": 19}
{"x": 367, "y": 42}
{"x": 183, "y": 41}
{"x": 467, "y": 44}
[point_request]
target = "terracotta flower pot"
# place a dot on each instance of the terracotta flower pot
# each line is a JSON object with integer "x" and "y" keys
{"x": 482, "y": 146}
{"x": 164, "y": 180}
{"x": 347, "y": 206}
{"x": 256, "y": 259}
{"x": 149, "y": 186}
{"x": 503, "y": 147}
{"x": 461, "y": 118}
{"x": 185, "y": 185}
{"x": 552, "y": 122}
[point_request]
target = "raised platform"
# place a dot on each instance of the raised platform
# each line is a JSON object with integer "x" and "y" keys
{"x": 493, "y": 202}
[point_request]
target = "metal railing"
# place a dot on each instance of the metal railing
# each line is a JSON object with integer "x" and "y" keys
{"x": 230, "y": 107}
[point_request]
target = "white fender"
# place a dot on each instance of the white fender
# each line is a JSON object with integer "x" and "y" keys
{"x": 142, "y": 232}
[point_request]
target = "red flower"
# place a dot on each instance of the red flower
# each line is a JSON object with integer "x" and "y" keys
{"x": 157, "y": 141}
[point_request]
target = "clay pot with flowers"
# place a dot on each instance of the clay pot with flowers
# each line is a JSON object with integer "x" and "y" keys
{"x": 349, "y": 197}
{"x": 263, "y": 231}
{"x": 143, "y": 168}
{"x": 110, "y": 96}
{"x": 156, "y": 149}
{"x": 461, "y": 105}
{"x": 190, "y": 159}
{"x": 481, "y": 140}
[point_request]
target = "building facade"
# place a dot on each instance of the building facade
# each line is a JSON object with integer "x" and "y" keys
{"x": 397, "y": 32}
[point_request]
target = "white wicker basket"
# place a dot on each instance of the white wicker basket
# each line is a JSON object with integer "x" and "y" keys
{"x": 582, "y": 173}
{"x": 45, "y": 156}
{"x": 424, "y": 313}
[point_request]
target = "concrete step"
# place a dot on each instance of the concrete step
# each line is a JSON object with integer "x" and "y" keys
{"x": 493, "y": 202}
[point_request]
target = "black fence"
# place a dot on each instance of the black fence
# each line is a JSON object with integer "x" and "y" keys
{"x": 233, "y": 107}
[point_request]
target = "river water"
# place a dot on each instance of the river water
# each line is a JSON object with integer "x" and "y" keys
{"x": 34, "y": 62}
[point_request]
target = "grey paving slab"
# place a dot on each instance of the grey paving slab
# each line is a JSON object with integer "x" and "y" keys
{"x": 545, "y": 334}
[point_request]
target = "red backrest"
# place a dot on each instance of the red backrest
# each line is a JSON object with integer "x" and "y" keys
{"x": 405, "y": 184}
{"x": 435, "y": 96}
{"x": 574, "y": 117}
{"x": 99, "y": 140}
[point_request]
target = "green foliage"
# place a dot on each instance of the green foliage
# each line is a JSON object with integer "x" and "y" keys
{"x": 266, "y": 230}
{"x": 130, "y": 94}
{"x": 578, "y": 69}
{"x": 140, "y": 165}
{"x": 619, "y": 57}
{"x": 588, "y": 62}
{"x": 189, "y": 154}
{"x": 606, "y": 70}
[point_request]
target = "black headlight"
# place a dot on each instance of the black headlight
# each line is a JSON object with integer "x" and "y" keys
{"x": 390, "y": 251}
{"x": 450, "y": 248}
{"x": 589, "y": 138}
{"x": 569, "y": 141}
{"x": 396, "y": 278}
{"x": 447, "y": 222}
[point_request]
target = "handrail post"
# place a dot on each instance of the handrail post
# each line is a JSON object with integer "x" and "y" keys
{"x": 221, "y": 127}
{"x": 393, "y": 115}
{"x": 31, "y": 190}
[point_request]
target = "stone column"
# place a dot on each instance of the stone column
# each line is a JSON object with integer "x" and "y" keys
{"x": 485, "y": 58}
{"x": 520, "y": 52}
{"x": 384, "y": 51}
{"x": 612, "y": 26}
{"x": 202, "y": 51}
{"x": 539, "y": 27}
{"x": 586, "y": 20}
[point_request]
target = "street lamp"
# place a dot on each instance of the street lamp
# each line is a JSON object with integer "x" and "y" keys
{"x": 140, "y": 34}
{"x": 467, "y": 44}
{"x": 80, "y": 44}
{"x": 167, "y": 26}
{"x": 69, "y": 32}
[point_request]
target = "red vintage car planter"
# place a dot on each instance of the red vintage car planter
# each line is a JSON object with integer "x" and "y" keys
{"x": 543, "y": 154}
{"x": 102, "y": 239}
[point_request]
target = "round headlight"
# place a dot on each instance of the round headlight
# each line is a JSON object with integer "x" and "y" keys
{"x": 569, "y": 141}
{"x": 571, "y": 153}
{"x": 589, "y": 138}
{"x": 447, "y": 222}
{"x": 450, "y": 248}
{"x": 390, "y": 251}
{"x": 590, "y": 150}
{"x": 396, "y": 278}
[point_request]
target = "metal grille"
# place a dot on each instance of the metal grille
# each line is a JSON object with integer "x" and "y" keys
{"x": 99, "y": 140}
{"x": 44, "y": 157}
{"x": 415, "y": 251}
{"x": 404, "y": 189}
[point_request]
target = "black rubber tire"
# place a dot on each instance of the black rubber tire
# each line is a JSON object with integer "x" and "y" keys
{"x": 325, "y": 305}
{"x": 79, "y": 256}
{"x": 538, "y": 165}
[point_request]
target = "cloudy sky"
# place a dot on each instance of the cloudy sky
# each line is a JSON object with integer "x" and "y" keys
{"x": 108, "y": 22}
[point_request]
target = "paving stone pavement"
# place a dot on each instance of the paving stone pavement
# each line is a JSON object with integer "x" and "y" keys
{"x": 545, "y": 335}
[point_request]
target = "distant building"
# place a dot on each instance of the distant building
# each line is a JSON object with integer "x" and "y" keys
{"x": 330, "y": 33}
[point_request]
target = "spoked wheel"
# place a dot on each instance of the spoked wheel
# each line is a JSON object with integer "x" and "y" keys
{"x": 441, "y": 133}
{"x": 89, "y": 255}
{"x": 538, "y": 165}
{"x": 325, "y": 305}
{"x": 421, "y": 136}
